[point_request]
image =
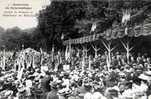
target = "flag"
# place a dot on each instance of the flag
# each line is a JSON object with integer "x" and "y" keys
{"x": 41, "y": 56}
{"x": 126, "y": 16}
{"x": 94, "y": 25}
{"x": 20, "y": 73}
{"x": 126, "y": 30}
{"x": 67, "y": 52}
{"x": 62, "y": 36}
{"x": 33, "y": 61}
{"x": 83, "y": 63}
{"x": 90, "y": 62}
{"x": 52, "y": 53}
{"x": 59, "y": 57}
{"x": 4, "y": 59}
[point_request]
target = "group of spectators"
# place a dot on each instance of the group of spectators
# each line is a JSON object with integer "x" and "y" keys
{"x": 126, "y": 78}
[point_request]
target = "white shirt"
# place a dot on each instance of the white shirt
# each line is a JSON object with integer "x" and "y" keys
{"x": 28, "y": 83}
{"x": 98, "y": 95}
{"x": 66, "y": 82}
{"x": 128, "y": 93}
{"x": 88, "y": 95}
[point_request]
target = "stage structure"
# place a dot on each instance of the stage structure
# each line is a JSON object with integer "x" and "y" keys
{"x": 131, "y": 25}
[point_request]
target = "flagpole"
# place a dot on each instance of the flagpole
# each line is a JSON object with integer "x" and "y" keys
{"x": 52, "y": 53}
{"x": 90, "y": 61}
{"x": 41, "y": 56}
{"x": 4, "y": 58}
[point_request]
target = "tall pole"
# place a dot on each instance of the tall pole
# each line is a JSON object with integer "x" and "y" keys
{"x": 90, "y": 62}
{"x": 41, "y": 56}
{"x": 4, "y": 59}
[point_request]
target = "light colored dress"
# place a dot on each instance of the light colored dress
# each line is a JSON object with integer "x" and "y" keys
{"x": 98, "y": 95}
{"x": 88, "y": 95}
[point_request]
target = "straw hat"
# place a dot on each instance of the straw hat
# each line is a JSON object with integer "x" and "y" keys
{"x": 144, "y": 77}
{"x": 148, "y": 73}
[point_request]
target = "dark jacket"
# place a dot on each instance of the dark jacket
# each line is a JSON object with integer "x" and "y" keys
{"x": 52, "y": 95}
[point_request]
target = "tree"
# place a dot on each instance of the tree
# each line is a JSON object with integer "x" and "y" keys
{"x": 80, "y": 18}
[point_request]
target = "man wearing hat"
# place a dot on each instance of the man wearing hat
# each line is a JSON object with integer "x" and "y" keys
{"x": 53, "y": 93}
{"x": 143, "y": 86}
{"x": 128, "y": 92}
{"x": 88, "y": 94}
{"x": 1, "y": 85}
{"x": 148, "y": 74}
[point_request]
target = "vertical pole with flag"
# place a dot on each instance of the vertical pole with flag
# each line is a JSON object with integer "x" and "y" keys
{"x": 94, "y": 25}
{"x": 90, "y": 62}
{"x": 4, "y": 59}
{"x": 22, "y": 56}
{"x": 125, "y": 18}
{"x": 70, "y": 51}
{"x": 41, "y": 56}
{"x": 52, "y": 53}
{"x": 66, "y": 53}
{"x": 78, "y": 52}
{"x": 23, "y": 59}
{"x": 20, "y": 73}
{"x": 83, "y": 60}
{"x": 83, "y": 63}
{"x": 1, "y": 59}
{"x": 33, "y": 61}
{"x": 60, "y": 56}
{"x": 18, "y": 63}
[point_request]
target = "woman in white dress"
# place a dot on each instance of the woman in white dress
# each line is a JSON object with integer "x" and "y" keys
{"x": 88, "y": 94}
{"x": 97, "y": 94}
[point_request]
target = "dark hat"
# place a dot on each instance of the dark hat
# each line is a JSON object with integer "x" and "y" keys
{"x": 113, "y": 92}
{"x": 1, "y": 82}
{"x": 54, "y": 85}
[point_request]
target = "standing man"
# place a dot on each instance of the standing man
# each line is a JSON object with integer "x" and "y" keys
{"x": 53, "y": 93}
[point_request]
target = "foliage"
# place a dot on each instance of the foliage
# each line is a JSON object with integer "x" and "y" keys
{"x": 75, "y": 19}
{"x": 62, "y": 20}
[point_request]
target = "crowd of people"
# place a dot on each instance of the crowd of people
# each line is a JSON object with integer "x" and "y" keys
{"x": 77, "y": 76}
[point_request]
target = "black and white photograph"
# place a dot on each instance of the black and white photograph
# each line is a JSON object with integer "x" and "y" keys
{"x": 75, "y": 49}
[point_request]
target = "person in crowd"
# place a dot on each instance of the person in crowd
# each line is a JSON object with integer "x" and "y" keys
{"x": 53, "y": 93}
{"x": 88, "y": 94}
{"x": 98, "y": 93}
{"x": 122, "y": 80}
